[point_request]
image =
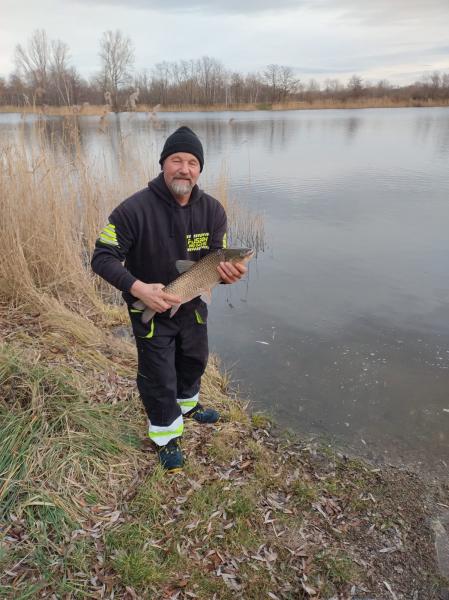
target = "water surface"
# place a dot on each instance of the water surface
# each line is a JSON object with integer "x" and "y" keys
{"x": 342, "y": 328}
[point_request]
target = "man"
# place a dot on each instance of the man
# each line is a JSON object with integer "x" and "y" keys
{"x": 169, "y": 220}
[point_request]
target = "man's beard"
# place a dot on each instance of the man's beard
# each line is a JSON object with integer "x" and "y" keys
{"x": 180, "y": 187}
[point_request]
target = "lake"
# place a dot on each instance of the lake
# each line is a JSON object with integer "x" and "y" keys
{"x": 341, "y": 329}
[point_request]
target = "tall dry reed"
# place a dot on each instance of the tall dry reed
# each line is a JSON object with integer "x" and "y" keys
{"x": 245, "y": 226}
{"x": 52, "y": 205}
{"x": 53, "y": 202}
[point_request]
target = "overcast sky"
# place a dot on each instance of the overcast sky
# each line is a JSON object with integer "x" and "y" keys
{"x": 399, "y": 40}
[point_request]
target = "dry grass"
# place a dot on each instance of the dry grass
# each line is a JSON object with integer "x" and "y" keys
{"x": 246, "y": 227}
{"x": 86, "y": 512}
{"x": 302, "y": 105}
{"x": 52, "y": 209}
{"x": 59, "y": 111}
{"x": 88, "y": 109}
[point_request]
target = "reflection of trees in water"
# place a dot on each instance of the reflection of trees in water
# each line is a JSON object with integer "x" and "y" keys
{"x": 275, "y": 134}
{"x": 352, "y": 125}
{"x": 126, "y": 135}
{"x": 434, "y": 128}
{"x": 443, "y": 137}
{"x": 219, "y": 134}
{"x": 423, "y": 128}
{"x": 348, "y": 125}
{"x": 61, "y": 135}
{"x": 272, "y": 134}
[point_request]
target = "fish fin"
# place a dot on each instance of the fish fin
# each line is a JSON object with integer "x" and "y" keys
{"x": 147, "y": 315}
{"x": 184, "y": 265}
{"x": 174, "y": 310}
{"x": 206, "y": 296}
{"x": 139, "y": 305}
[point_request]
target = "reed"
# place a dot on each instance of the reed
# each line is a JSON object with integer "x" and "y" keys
{"x": 246, "y": 227}
{"x": 317, "y": 104}
{"x": 52, "y": 208}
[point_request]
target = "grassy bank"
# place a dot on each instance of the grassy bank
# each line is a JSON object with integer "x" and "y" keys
{"x": 85, "y": 512}
{"x": 275, "y": 106}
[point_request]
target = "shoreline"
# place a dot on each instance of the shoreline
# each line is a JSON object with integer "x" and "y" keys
{"x": 102, "y": 110}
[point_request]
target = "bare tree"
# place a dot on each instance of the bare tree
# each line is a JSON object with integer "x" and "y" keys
{"x": 44, "y": 74}
{"x": 117, "y": 57}
{"x": 288, "y": 83}
{"x": 161, "y": 80}
{"x": 435, "y": 80}
{"x": 355, "y": 86}
{"x": 33, "y": 62}
{"x": 211, "y": 75}
{"x": 281, "y": 80}
{"x": 44, "y": 68}
{"x": 271, "y": 75}
{"x": 332, "y": 88}
{"x": 61, "y": 73}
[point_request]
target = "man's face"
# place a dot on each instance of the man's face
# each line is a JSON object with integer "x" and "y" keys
{"x": 181, "y": 172}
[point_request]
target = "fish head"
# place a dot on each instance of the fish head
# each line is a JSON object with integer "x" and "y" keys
{"x": 238, "y": 255}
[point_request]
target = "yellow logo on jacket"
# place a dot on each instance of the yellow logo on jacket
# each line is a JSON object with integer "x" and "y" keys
{"x": 197, "y": 241}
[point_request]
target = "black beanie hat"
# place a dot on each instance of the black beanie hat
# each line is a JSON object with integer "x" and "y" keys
{"x": 183, "y": 140}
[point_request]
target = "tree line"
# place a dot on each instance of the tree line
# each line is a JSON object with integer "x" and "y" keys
{"x": 44, "y": 75}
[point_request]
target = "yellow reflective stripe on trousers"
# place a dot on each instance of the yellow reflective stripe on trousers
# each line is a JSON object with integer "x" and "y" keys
{"x": 187, "y": 404}
{"x": 162, "y": 435}
{"x": 225, "y": 241}
{"x": 150, "y": 333}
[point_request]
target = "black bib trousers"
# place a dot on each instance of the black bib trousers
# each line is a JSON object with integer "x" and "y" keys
{"x": 172, "y": 357}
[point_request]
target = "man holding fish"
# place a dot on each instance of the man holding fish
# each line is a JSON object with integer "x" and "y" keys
{"x": 168, "y": 228}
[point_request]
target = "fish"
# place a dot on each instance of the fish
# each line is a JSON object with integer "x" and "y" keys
{"x": 197, "y": 278}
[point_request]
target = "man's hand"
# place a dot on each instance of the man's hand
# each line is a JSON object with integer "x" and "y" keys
{"x": 230, "y": 273}
{"x": 152, "y": 295}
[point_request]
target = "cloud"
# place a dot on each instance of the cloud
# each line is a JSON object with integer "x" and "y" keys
{"x": 318, "y": 38}
{"x": 387, "y": 12}
{"x": 365, "y": 11}
{"x": 206, "y": 6}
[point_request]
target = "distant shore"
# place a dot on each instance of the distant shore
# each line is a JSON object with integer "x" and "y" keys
{"x": 102, "y": 110}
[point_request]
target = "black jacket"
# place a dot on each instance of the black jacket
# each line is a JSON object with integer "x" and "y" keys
{"x": 150, "y": 231}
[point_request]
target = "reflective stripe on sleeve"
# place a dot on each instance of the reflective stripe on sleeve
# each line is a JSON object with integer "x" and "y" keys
{"x": 107, "y": 240}
{"x": 108, "y": 235}
{"x": 199, "y": 318}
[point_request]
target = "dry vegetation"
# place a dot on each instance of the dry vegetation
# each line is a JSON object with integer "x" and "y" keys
{"x": 317, "y": 104}
{"x": 84, "y": 510}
